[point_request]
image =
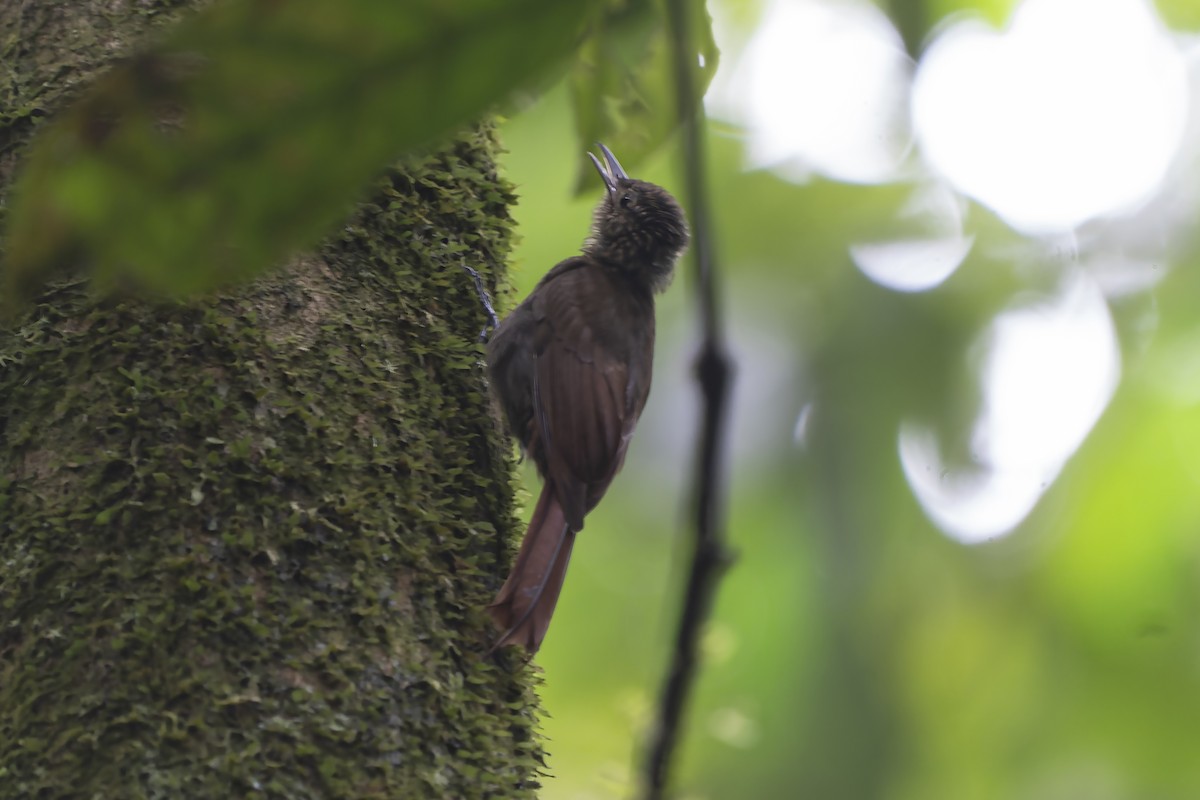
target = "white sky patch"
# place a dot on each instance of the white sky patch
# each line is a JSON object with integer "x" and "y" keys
{"x": 823, "y": 87}
{"x": 1049, "y": 371}
{"x": 1074, "y": 112}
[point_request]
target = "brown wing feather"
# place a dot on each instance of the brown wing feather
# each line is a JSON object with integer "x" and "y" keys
{"x": 588, "y": 390}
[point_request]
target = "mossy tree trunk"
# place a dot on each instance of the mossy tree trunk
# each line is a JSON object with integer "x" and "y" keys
{"x": 245, "y": 541}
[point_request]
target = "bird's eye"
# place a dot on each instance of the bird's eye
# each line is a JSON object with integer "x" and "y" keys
{"x": 626, "y": 200}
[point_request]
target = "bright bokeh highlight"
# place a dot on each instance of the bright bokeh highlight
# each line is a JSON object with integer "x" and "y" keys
{"x": 929, "y": 253}
{"x": 823, "y": 88}
{"x": 1049, "y": 370}
{"x": 1075, "y": 111}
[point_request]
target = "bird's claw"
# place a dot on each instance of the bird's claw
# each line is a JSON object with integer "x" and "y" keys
{"x": 486, "y": 300}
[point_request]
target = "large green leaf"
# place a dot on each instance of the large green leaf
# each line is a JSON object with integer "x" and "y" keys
{"x": 246, "y": 133}
{"x": 622, "y": 86}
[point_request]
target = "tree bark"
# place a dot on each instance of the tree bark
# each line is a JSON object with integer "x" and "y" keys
{"x": 246, "y": 541}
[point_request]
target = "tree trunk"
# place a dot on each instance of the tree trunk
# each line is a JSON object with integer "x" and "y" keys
{"x": 246, "y": 541}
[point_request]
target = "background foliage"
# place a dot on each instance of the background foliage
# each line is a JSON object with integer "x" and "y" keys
{"x": 858, "y": 651}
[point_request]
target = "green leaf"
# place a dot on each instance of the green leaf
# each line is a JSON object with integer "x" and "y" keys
{"x": 248, "y": 132}
{"x": 622, "y": 85}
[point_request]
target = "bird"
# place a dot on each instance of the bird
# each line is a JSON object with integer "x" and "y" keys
{"x": 569, "y": 369}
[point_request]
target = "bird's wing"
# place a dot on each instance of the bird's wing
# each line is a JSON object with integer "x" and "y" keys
{"x": 589, "y": 386}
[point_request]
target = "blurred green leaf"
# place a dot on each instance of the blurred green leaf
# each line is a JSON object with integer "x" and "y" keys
{"x": 247, "y": 133}
{"x": 912, "y": 20}
{"x": 916, "y": 19}
{"x": 1180, "y": 14}
{"x": 996, "y": 12}
{"x": 622, "y": 87}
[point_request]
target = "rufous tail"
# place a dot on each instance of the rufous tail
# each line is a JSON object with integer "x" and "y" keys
{"x": 523, "y": 608}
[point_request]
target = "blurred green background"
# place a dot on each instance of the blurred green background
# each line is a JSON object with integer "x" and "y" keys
{"x": 859, "y": 648}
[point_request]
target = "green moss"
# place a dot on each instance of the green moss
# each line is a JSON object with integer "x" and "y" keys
{"x": 246, "y": 542}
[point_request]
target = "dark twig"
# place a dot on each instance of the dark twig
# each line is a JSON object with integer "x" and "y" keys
{"x": 713, "y": 369}
{"x": 486, "y": 300}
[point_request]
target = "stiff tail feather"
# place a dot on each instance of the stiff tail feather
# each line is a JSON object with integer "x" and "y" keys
{"x": 525, "y": 603}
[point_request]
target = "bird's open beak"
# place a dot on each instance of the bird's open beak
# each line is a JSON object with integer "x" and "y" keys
{"x": 613, "y": 173}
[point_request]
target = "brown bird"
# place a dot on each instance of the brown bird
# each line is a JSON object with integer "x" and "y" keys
{"x": 570, "y": 369}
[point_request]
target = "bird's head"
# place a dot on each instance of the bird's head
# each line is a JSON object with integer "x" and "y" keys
{"x": 638, "y": 226}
